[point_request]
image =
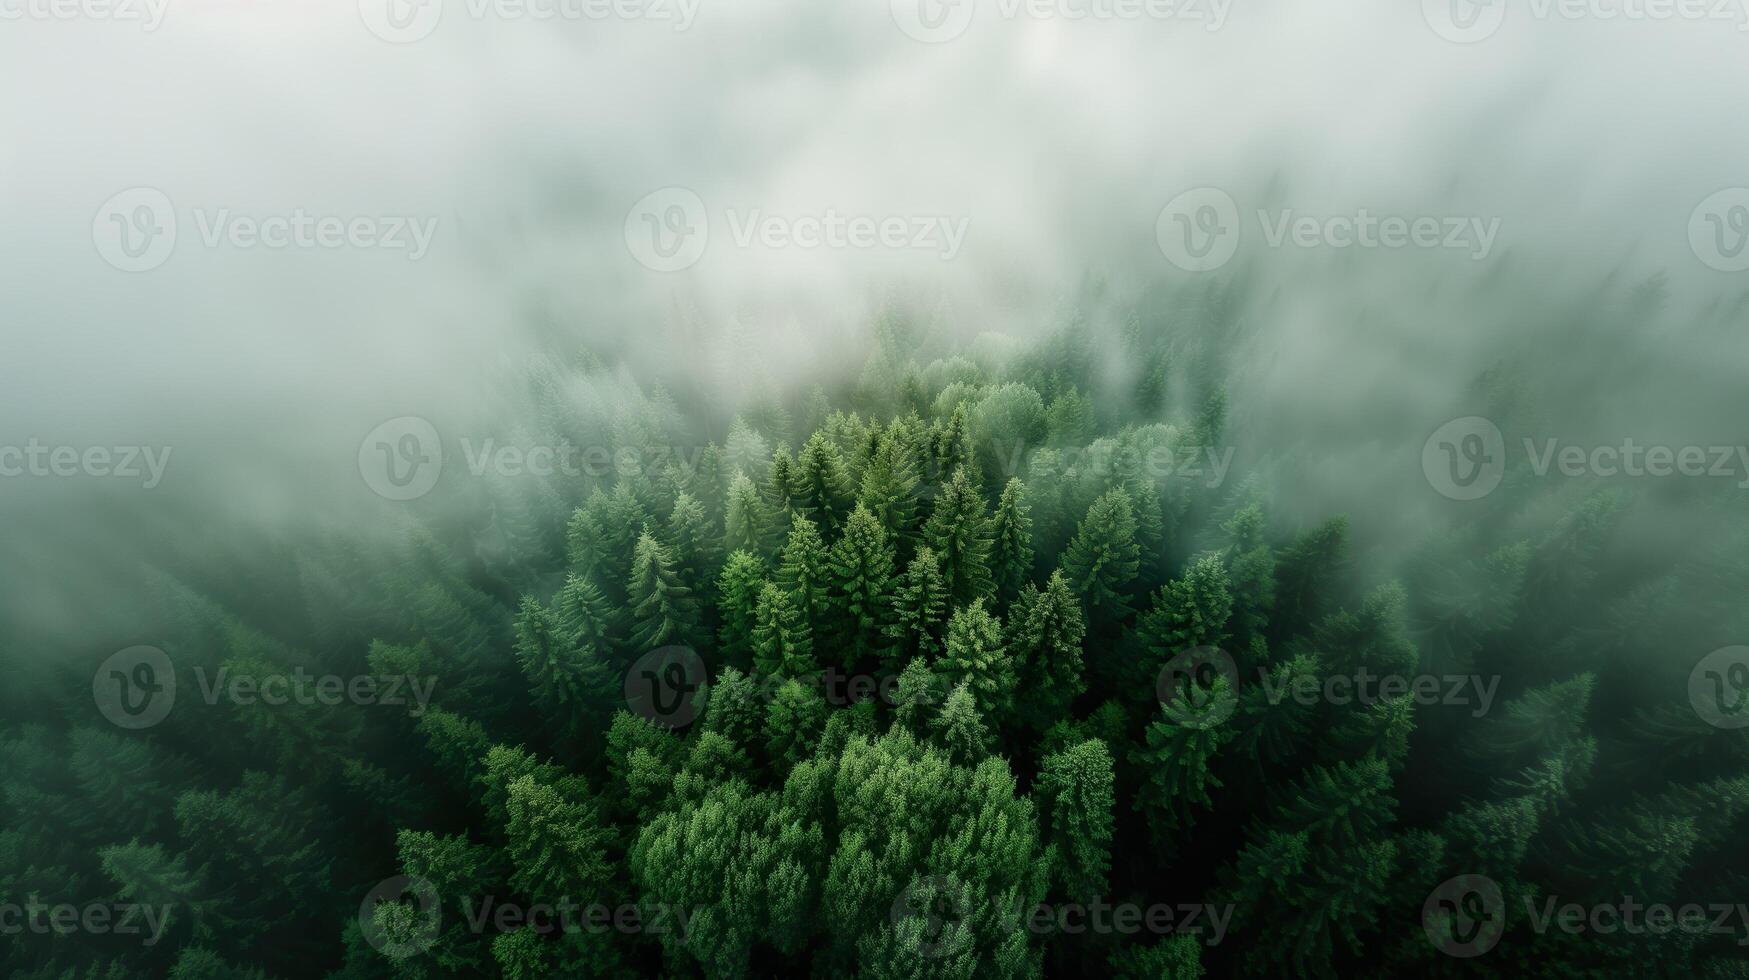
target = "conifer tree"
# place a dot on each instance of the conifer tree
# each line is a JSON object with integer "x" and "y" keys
{"x": 1101, "y": 561}
{"x": 566, "y": 680}
{"x": 862, "y": 570}
{"x": 746, "y": 523}
{"x": 975, "y": 656}
{"x": 821, "y": 482}
{"x": 793, "y": 722}
{"x": 804, "y": 571}
{"x": 958, "y": 532}
{"x": 920, "y": 604}
{"x": 692, "y": 542}
{"x": 782, "y": 642}
{"x": 1074, "y": 794}
{"x": 1011, "y": 554}
{"x": 664, "y": 610}
{"x": 1045, "y": 632}
{"x": 738, "y": 589}
{"x": 959, "y": 727}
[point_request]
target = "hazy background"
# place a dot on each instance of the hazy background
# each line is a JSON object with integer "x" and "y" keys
{"x": 1058, "y": 141}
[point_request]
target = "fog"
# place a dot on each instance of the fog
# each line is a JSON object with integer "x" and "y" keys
{"x": 1053, "y": 143}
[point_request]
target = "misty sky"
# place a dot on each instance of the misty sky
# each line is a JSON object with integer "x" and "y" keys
{"x": 1052, "y": 143}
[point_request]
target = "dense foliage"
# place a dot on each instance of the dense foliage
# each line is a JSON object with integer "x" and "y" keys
{"x": 939, "y": 671}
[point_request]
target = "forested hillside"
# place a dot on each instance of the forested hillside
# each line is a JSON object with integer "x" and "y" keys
{"x": 997, "y": 663}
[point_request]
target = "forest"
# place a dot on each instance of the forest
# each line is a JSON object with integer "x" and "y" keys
{"x": 980, "y": 660}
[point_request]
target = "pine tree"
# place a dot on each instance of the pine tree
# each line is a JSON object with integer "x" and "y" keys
{"x": 1011, "y": 549}
{"x": 1075, "y": 800}
{"x": 793, "y": 722}
{"x": 566, "y": 680}
{"x": 889, "y": 487}
{"x": 959, "y": 727}
{"x": 1101, "y": 562}
{"x": 958, "y": 532}
{"x": 862, "y": 570}
{"x": 664, "y": 610}
{"x": 1176, "y": 762}
{"x": 919, "y": 610}
{"x": 692, "y": 541}
{"x": 975, "y": 656}
{"x": 1045, "y": 632}
{"x": 746, "y": 524}
{"x": 804, "y": 572}
{"x": 821, "y": 482}
{"x": 738, "y": 589}
{"x": 782, "y": 642}
{"x": 1190, "y": 611}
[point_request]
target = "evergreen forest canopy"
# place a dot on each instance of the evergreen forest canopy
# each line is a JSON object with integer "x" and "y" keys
{"x": 985, "y": 664}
